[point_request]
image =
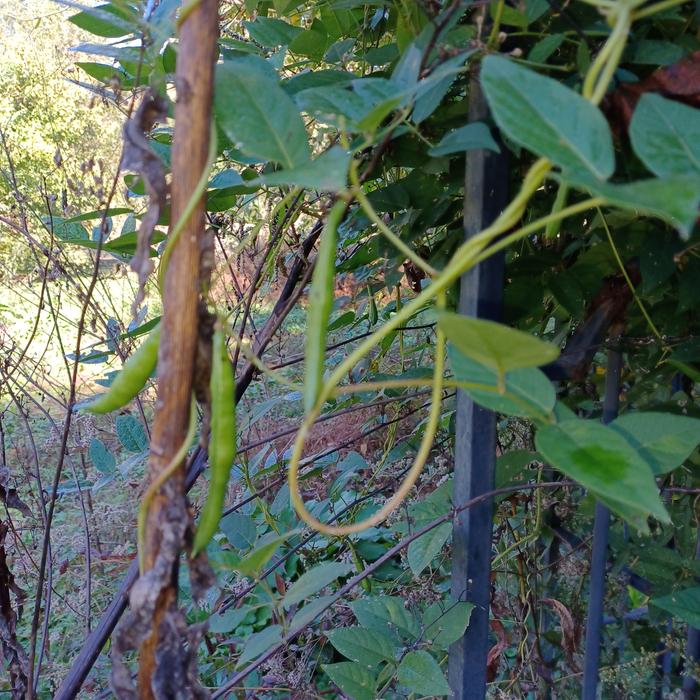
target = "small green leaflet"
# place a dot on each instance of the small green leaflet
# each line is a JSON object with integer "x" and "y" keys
{"x": 260, "y": 642}
{"x": 313, "y": 581}
{"x": 353, "y": 679}
{"x": 600, "y": 459}
{"x": 131, "y": 434}
{"x": 106, "y": 20}
{"x": 665, "y": 134}
{"x": 256, "y": 114}
{"x": 664, "y": 440}
{"x": 271, "y": 32}
{"x": 367, "y": 647}
{"x": 229, "y": 620}
{"x": 471, "y": 137}
{"x": 548, "y": 118}
{"x": 101, "y": 457}
{"x": 385, "y": 612}
{"x": 254, "y": 562}
{"x": 445, "y": 623}
{"x": 423, "y": 550}
{"x": 682, "y": 604}
{"x": 421, "y": 674}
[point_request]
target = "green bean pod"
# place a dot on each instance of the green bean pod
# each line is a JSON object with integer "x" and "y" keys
{"x": 222, "y": 441}
{"x": 320, "y": 306}
{"x": 132, "y": 378}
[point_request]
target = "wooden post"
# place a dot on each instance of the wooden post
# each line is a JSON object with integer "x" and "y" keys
{"x": 486, "y": 192}
{"x": 197, "y": 54}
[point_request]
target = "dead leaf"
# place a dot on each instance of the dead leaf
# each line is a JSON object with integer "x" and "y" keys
{"x": 139, "y": 157}
{"x": 680, "y": 81}
{"x": 569, "y": 630}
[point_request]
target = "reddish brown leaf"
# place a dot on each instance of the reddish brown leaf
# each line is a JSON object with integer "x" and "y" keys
{"x": 569, "y": 630}
{"x": 493, "y": 659}
{"x": 680, "y": 81}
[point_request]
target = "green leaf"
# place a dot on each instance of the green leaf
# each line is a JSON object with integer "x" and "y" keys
{"x": 131, "y": 434}
{"x": 509, "y": 466}
{"x": 526, "y": 392}
{"x": 260, "y": 642}
{"x": 311, "y": 611}
{"x": 240, "y": 530}
{"x": 423, "y": 550}
{"x": 494, "y": 345}
{"x": 257, "y": 115}
{"x": 229, "y": 619}
{"x": 664, "y": 440}
{"x": 673, "y": 199}
{"x": 652, "y": 52}
{"x": 103, "y": 72}
{"x": 311, "y": 42}
{"x": 385, "y": 612}
{"x": 328, "y": 173}
{"x": 65, "y": 230}
{"x": 600, "y": 459}
{"x": 431, "y": 91}
{"x": 421, "y": 674}
{"x": 666, "y": 136}
{"x": 101, "y": 457}
{"x": 367, "y": 647}
{"x": 353, "y": 679}
{"x": 471, "y": 137}
{"x": 313, "y": 581}
{"x": 270, "y": 32}
{"x": 545, "y": 47}
{"x": 444, "y": 624}
{"x": 548, "y": 118}
{"x": 254, "y": 562}
{"x": 682, "y": 604}
{"x": 105, "y": 20}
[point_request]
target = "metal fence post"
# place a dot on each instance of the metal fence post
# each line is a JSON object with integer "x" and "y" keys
{"x": 481, "y": 292}
{"x": 594, "y": 618}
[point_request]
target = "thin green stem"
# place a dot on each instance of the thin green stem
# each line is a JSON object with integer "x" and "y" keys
{"x": 632, "y": 288}
{"x": 656, "y": 7}
{"x": 367, "y": 207}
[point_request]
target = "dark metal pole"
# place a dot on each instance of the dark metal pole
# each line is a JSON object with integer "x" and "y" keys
{"x": 594, "y": 621}
{"x": 475, "y": 429}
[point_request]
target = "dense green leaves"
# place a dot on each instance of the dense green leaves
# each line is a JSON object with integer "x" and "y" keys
{"x": 257, "y": 115}
{"x": 548, "y": 118}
